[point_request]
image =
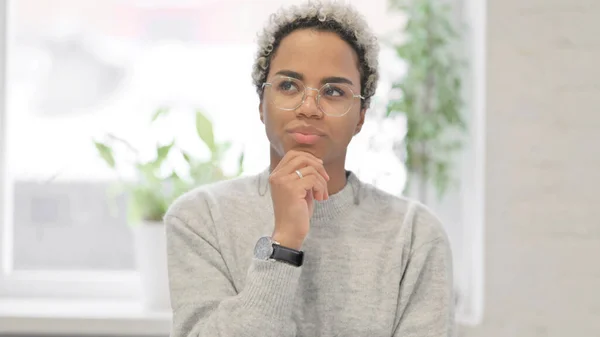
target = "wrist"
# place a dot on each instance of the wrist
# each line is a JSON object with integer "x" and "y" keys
{"x": 287, "y": 241}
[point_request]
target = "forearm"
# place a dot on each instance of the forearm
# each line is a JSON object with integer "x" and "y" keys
{"x": 427, "y": 300}
{"x": 263, "y": 308}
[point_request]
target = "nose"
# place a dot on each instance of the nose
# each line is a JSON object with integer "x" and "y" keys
{"x": 309, "y": 107}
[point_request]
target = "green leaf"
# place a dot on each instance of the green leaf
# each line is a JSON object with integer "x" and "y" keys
{"x": 162, "y": 152}
{"x": 187, "y": 157}
{"x": 147, "y": 203}
{"x": 160, "y": 112}
{"x": 204, "y": 129}
{"x": 128, "y": 145}
{"x": 148, "y": 173}
{"x": 134, "y": 213}
{"x": 218, "y": 153}
{"x": 179, "y": 186}
{"x": 432, "y": 95}
{"x": 106, "y": 153}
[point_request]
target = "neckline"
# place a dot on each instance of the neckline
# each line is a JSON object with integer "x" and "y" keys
{"x": 337, "y": 204}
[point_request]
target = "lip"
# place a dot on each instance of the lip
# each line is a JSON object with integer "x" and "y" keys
{"x": 307, "y": 130}
{"x": 306, "y": 134}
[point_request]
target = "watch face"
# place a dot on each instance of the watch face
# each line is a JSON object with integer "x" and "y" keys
{"x": 264, "y": 248}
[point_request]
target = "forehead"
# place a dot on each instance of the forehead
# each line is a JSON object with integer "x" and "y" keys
{"x": 316, "y": 55}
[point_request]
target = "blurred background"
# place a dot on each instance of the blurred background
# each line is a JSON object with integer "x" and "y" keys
{"x": 512, "y": 159}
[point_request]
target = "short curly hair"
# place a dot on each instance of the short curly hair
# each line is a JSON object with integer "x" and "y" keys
{"x": 329, "y": 16}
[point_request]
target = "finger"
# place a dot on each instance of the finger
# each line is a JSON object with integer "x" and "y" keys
{"x": 292, "y": 155}
{"x": 302, "y": 162}
{"x": 311, "y": 183}
{"x": 310, "y": 170}
{"x": 310, "y": 196}
{"x": 318, "y": 191}
{"x": 319, "y": 187}
{"x": 295, "y": 153}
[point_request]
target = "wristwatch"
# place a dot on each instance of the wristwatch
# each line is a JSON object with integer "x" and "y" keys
{"x": 267, "y": 249}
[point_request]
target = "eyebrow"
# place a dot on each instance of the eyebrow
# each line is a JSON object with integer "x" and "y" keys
{"x": 330, "y": 79}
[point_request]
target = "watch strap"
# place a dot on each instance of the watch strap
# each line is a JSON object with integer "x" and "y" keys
{"x": 287, "y": 255}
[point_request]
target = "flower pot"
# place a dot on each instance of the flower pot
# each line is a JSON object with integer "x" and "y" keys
{"x": 151, "y": 259}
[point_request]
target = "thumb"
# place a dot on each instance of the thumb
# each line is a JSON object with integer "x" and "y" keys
{"x": 309, "y": 196}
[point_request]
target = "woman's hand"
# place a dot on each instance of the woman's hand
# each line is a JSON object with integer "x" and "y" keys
{"x": 293, "y": 195}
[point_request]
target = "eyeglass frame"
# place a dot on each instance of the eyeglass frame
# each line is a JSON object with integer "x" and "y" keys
{"x": 305, "y": 94}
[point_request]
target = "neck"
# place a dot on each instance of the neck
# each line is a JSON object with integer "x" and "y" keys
{"x": 335, "y": 169}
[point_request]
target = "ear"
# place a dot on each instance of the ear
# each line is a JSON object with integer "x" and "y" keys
{"x": 361, "y": 121}
{"x": 260, "y": 111}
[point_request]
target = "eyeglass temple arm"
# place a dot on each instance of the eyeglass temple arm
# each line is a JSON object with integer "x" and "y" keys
{"x": 268, "y": 83}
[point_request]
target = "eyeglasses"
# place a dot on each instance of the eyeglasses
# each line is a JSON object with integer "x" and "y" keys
{"x": 288, "y": 93}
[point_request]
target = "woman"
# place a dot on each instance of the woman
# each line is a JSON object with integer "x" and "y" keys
{"x": 305, "y": 248}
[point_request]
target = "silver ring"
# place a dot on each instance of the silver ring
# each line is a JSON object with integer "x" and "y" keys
{"x": 299, "y": 174}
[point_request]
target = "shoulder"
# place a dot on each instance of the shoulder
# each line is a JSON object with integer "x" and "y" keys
{"x": 416, "y": 223}
{"x": 204, "y": 201}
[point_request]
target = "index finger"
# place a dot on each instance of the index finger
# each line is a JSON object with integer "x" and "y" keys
{"x": 293, "y": 154}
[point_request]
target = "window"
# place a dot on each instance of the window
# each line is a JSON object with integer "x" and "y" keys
{"x": 78, "y": 70}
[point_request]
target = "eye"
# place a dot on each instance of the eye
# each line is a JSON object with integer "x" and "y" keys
{"x": 333, "y": 91}
{"x": 287, "y": 86}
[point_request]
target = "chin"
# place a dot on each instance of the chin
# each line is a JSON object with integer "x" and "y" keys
{"x": 312, "y": 149}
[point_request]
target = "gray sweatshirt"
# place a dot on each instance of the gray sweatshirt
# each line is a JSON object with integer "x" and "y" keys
{"x": 375, "y": 265}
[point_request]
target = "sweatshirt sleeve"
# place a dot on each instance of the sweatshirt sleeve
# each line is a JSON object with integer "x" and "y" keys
{"x": 204, "y": 300}
{"x": 426, "y": 305}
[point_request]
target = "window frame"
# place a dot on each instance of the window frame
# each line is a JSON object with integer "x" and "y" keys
{"x": 41, "y": 284}
{"x": 3, "y": 172}
{"x": 126, "y": 285}
{"x": 471, "y": 309}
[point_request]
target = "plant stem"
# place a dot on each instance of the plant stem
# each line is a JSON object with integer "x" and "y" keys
{"x": 427, "y": 100}
{"x": 124, "y": 142}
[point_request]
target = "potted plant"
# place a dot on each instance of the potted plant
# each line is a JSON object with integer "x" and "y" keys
{"x": 155, "y": 187}
{"x": 429, "y": 95}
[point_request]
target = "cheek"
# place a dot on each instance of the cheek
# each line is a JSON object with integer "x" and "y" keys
{"x": 344, "y": 131}
{"x": 272, "y": 119}
{"x": 267, "y": 112}
{"x": 351, "y": 122}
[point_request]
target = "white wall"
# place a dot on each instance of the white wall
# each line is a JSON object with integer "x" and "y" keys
{"x": 542, "y": 229}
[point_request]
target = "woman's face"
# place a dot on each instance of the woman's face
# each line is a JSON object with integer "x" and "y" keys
{"x": 315, "y": 58}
